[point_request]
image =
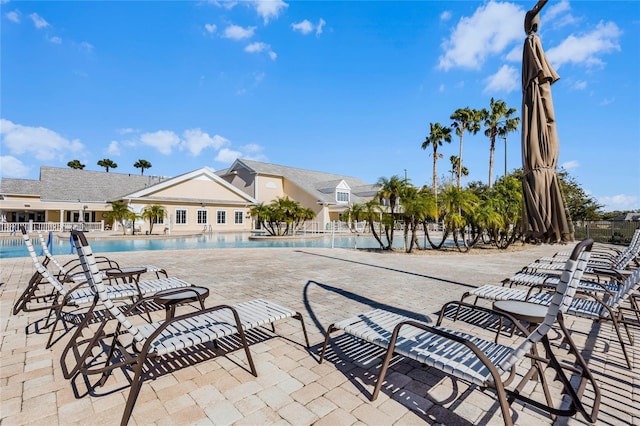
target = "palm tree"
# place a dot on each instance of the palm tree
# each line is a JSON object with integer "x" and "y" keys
{"x": 390, "y": 189}
{"x": 119, "y": 213}
{"x": 465, "y": 119}
{"x": 437, "y": 135}
{"x": 153, "y": 213}
{"x": 455, "y": 168}
{"x": 142, "y": 164}
{"x": 497, "y": 122}
{"x": 76, "y": 165}
{"x": 107, "y": 164}
{"x": 372, "y": 211}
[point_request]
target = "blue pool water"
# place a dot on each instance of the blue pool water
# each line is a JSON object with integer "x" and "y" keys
{"x": 15, "y": 247}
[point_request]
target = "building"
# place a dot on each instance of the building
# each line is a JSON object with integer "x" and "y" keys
{"x": 328, "y": 195}
{"x": 197, "y": 201}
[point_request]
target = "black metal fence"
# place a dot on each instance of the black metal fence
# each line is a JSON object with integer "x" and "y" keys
{"x": 605, "y": 231}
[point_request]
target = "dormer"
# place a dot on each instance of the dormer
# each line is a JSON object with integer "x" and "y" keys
{"x": 340, "y": 190}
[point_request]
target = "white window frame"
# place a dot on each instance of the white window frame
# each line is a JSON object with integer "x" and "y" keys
{"x": 348, "y": 195}
{"x": 186, "y": 216}
{"x": 224, "y": 216}
{"x": 206, "y": 216}
{"x": 238, "y": 214}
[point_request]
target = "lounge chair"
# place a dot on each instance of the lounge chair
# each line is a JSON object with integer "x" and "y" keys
{"x": 607, "y": 266}
{"x": 71, "y": 271}
{"x": 80, "y": 293}
{"x": 475, "y": 360}
{"x": 597, "y": 307}
{"x": 152, "y": 341}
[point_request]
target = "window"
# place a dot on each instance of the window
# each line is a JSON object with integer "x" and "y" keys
{"x": 221, "y": 217}
{"x": 238, "y": 217}
{"x": 181, "y": 217}
{"x": 342, "y": 197}
{"x": 202, "y": 217}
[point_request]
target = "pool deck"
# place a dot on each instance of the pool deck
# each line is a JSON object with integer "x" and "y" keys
{"x": 325, "y": 285}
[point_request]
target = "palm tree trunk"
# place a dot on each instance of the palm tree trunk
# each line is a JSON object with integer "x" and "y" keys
{"x": 492, "y": 150}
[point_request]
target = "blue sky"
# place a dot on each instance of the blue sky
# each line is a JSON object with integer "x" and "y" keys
{"x": 342, "y": 87}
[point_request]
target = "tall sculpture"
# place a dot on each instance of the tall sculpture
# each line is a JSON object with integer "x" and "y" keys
{"x": 544, "y": 218}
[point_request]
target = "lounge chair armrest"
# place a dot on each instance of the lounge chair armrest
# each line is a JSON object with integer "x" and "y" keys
{"x": 473, "y": 307}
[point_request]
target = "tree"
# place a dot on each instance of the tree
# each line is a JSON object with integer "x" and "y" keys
{"x": 458, "y": 206}
{"x": 107, "y": 164}
{"x": 120, "y": 213}
{"x": 437, "y": 135}
{"x": 579, "y": 204}
{"x": 455, "y": 168}
{"x": 153, "y": 213}
{"x": 498, "y": 123}
{"x": 142, "y": 164}
{"x": 76, "y": 165}
{"x": 390, "y": 189}
{"x": 465, "y": 119}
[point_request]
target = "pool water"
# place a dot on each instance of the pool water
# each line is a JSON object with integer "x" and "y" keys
{"x": 15, "y": 247}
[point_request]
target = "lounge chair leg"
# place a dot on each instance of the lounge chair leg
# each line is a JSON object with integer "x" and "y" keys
{"x": 298, "y": 316}
{"x": 385, "y": 365}
{"x": 327, "y": 336}
{"x": 53, "y": 327}
{"x": 136, "y": 384}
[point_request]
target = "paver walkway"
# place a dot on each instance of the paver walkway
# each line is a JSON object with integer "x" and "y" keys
{"x": 326, "y": 285}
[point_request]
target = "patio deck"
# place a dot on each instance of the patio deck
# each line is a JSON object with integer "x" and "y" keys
{"x": 326, "y": 285}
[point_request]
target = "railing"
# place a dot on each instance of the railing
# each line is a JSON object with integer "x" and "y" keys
{"x": 14, "y": 227}
{"x": 605, "y": 231}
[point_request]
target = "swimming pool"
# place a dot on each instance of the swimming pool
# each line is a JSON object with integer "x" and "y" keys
{"x": 15, "y": 247}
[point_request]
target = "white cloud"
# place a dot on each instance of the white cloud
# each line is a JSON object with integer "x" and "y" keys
{"x": 226, "y": 155}
{"x": 127, "y": 130}
{"x": 39, "y": 142}
{"x": 38, "y": 21}
{"x": 249, "y": 152}
{"x": 305, "y": 27}
{"x": 162, "y": 140}
{"x": 619, "y": 202}
{"x": 258, "y": 47}
{"x": 580, "y": 85}
{"x": 445, "y": 16}
{"x": 55, "y": 40}
{"x": 556, "y": 9}
{"x": 607, "y": 101}
{"x": 507, "y": 79}
{"x": 12, "y": 167}
{"x": 514, "y": 55}
{"x": 114, "y": 148}
{"x": 13, "y": 16}
{"x": 236, "y": 32}
{"x": 491, "y": 29}
{"x": 586, "y": 48}
{"x": 570, "y": 165}
{"x": 270, "y": 9}
{"x": 211, "y": 28}
{"x": 195, "y": 140}
{"x": 86, "y": 46}
{"x": 320, "y": 26}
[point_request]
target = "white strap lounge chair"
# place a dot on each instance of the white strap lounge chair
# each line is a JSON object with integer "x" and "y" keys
{"x": 150, "y": 342}
{"x": 590, "y": 305}
{"x": 470, "y": 358}
{"x": 71, "y": 271}
{"x": 80, "y": 294}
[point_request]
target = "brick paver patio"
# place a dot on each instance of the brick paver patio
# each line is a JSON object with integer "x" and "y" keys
{"x": 326, "y": 285}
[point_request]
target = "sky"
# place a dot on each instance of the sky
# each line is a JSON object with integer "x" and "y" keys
{"x": 345, "y": 87}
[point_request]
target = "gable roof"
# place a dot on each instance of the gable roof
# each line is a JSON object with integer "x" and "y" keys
{"x": 205, "y": 172}
{"x": 64, "y": 184}
{"x": 313, "y": 182}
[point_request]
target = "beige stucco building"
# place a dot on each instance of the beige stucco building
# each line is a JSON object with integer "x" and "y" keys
{"x": 198, "y": 201}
